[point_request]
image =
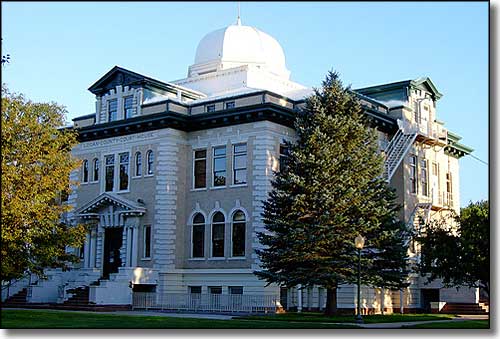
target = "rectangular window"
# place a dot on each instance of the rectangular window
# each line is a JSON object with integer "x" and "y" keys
{"x": 284, "y": 152}
{"x": 195, "y": 289}
{"x": 449, "y": 189}
{"x": 235, "y": 289}
{"x": 128, "y": 107}
{"x": 219, "y": 166}
{"x": 413, "y": 174}
{"x": 109, "y": 173}
{"x": 240, "y": 164}
{"x": 210, "y": 108}
{"x": 124, "y": 168}
{"x": 112, "y": 110}
{"x": 215, "y": 290}
{"x": 147, "y": 242}
{"x": 200, "y": 169}
{"x": 424, "y": 178}
{"x": 230, "y": 104}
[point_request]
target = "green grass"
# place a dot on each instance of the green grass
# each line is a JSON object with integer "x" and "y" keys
{"x": 368, "y": 319}
{"x": 474, "y": 324}
{"x": 56, "y": 319}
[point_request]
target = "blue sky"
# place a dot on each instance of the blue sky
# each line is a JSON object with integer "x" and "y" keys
{"x": 59, "y": 49}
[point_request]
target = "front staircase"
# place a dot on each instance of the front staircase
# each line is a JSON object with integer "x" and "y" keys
{"x": 464, "y": 308}
{"x": 80, "y": 297}
{"x": 17, "y": 299}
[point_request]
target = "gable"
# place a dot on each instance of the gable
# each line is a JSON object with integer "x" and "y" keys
{"x": 115, "y": 77}
{"x": 109, "y": 199}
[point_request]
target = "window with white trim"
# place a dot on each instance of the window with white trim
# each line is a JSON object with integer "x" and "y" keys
{"x": 198, "y": 236}
{"x": 200, "y": 169}
{"x": 424, "y": 180}
{"x": 124, "y": 171}
{"x": 284, "y": 153}
{"x": 85, "y": 170}
{"x": 112, "y": 110}
{"x": 239, "y": 164}
{"x": 218, "y": 229}
{"x": 219, "y": 168}
{"x": 138, "y": 164}
{"x": 95, "y": 165}
{"x": 147, "y": 242}
{"x": 413, "y": 174}
{"x": 109, "y": 175}
{"x": 230, "y": 104}
{"x": 238, "y": 234}
{"x": 150, "y": 159}
{"x": 211, "y": 108}
{"x": 128, "y": 106}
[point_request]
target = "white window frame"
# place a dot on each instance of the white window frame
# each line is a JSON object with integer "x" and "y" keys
{"x": 85, "y": 167}
{"x": 194, "y": 169}
{"x": 192, "y": 224}
{"x": 94, "y": 171}
{"x": 415, "y": 166}
{"x": 213, "y": 166}
{"x": 116, "y": 173}
{"x": 108, "y": 110}
{"x": 245, "y": 235}
{"x": 211, "y": 220}
{"x": 128, "y": 173}
{"x": 233, "y": 164}
{"x": 135, "y": 165}
{"x": 148, "y": 153}
{"x": 144, "y": 257}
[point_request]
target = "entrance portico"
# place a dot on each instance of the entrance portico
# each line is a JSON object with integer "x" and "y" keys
{"x": 112, "y": 240}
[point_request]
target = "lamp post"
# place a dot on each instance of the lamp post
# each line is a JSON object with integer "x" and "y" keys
{"x": 359, "y": 242}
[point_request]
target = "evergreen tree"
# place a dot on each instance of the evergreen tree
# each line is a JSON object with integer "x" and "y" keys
{"x": 330, "y": 191}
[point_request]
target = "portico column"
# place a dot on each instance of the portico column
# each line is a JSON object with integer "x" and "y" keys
{"x": 93, "y": 248}
{"x": 86, "y": 251}
{"x": 299, "y": 298}
{"x": 135, "y": 241}
{"x": 129, "y": 247}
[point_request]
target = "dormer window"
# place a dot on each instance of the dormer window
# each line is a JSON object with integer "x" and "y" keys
{"x": 127, "y": 107}
{"x": 112, "y": 110}
{"x": 230, "y": 104}
{"x": 210, "y": 108}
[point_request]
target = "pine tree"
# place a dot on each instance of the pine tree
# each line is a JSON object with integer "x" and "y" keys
{"x": 332, "y": 190}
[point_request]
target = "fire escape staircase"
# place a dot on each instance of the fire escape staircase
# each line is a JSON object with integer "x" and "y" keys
{"x": 398, "y": 147}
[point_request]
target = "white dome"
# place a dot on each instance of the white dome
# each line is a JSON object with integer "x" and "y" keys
{"x": 238, "y": 45}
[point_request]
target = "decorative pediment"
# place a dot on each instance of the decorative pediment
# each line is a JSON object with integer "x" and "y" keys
{"x": 127, "y": 207}
{"x": 116, "y": 76}
{"x": 427, "y": 85}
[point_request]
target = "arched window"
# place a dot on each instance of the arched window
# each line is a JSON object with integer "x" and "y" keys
{"x": 198, "y": 241}
{"x": 96, "y": 170}
{"x": 151, "y": 159}
{"x": 218, "y": 224}
{"x": 85, "y": 171}
{"x": 238, "y": 234}
{"x": 138, "y": 164}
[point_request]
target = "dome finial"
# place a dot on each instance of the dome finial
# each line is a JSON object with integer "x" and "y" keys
{"x": 238, "y": 22}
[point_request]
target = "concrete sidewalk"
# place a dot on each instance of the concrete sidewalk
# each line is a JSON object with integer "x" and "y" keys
{"x": 411, "y": 323}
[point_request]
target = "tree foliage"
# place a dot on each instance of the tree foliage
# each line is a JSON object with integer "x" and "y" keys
{"x": 36, "y": 163}
{"x": 332, "y": 190}
{"x": 460, "y": 255}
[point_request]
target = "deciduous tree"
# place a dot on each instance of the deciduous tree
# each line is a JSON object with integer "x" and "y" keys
{"x": 459, "y": 254}
{"x": 36, "y": 163}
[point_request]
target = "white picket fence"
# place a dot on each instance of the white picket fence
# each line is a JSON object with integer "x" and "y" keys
{"x": 205, "y": 302}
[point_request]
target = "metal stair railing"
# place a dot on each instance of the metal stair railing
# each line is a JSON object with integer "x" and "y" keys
{"x": 398, "y": 147}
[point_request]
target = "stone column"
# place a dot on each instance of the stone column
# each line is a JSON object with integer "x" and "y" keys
{"x": 86, "y": 251}
{"x": 129, "y": 247}
{"x": 135, "y": 244}
{"x": 93, "y": 248}
{"x": 299, "y": 298}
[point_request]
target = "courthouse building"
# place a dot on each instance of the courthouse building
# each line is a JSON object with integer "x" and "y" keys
{"x": 174, "y": 174}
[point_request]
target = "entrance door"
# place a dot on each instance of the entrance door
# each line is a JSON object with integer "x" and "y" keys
{"x": 284, "y": 297}
{"x": 112, "y": 245}
{"x": 429, "y": 295}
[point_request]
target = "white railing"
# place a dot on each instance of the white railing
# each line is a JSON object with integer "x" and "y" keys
{"x": 205, "y": 302}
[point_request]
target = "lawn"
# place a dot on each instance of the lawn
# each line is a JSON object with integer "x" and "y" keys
{"x": 471, "y": 324}
{"x": 368, "y": 319}
{"x": 59, "y": 319}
